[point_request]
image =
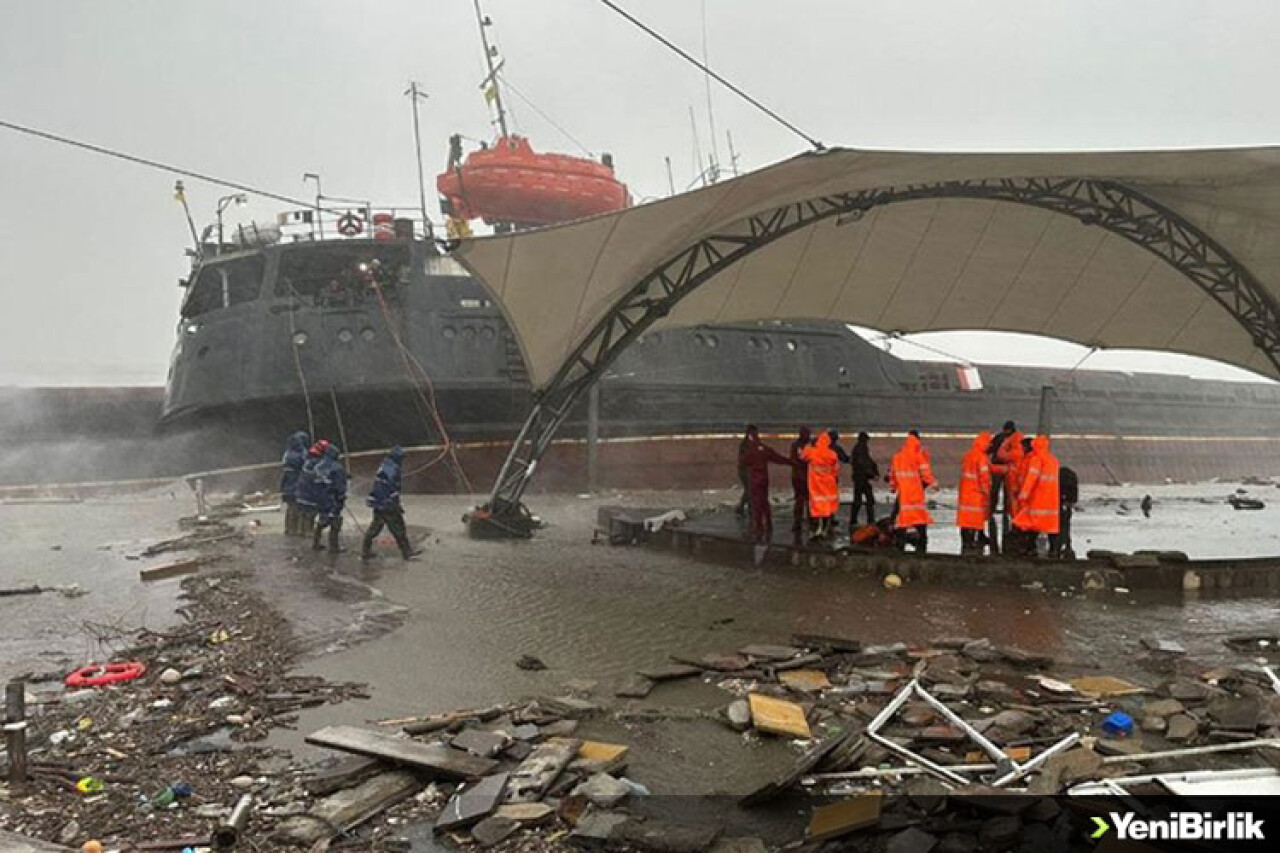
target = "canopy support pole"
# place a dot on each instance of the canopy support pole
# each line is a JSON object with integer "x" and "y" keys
{"x": 1105, "y": 204}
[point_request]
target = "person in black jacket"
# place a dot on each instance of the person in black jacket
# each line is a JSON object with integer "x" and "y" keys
{"x": 865, "y": 472}
{"x": 1068, "y": 497}
{"x": 800, "y": 481}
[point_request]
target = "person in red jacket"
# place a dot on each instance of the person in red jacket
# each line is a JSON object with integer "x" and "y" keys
{"x": 974, "y": 504}
{"x": 757, "y": 457}
{"x": 1038, "y": 496}
{"x": 910, "y": 473}
{"x": 824, "y": 482}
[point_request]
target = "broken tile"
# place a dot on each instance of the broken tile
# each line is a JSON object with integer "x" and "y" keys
{"x": 805, "y": 680}
{"x": 670, "y": 672}
{"x": 603, "y": 790}
{"x": 493, "y": 830}
{"x": 560, "y": 728}
{"x": 607, "y": 755}
{"x": 479, "y": 742}
{"x": 536, "y": 773}
{"x": 528, "y": 814}
{"x": 518, "y": 750}
{"x": 596, "y": 829}
{"x": 471, "y": 803}
{"x": 765, "y": 651}
{"x": 836, "y": 819}
{"x": 1104, "y": 686}
{"x": 777, "y": 716}
{"x": 832, "y": 747}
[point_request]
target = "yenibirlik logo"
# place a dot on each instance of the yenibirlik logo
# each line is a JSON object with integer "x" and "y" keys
{"x": 1182, "y": 826}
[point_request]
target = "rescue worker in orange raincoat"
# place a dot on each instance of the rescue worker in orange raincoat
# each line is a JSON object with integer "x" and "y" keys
{"x": 997, "y": 483}
{"x": 1007, "y": 457}
{"x": 1016, "y": 539}
{"x": 757, "y": 457}
{"x": 974, "y": 505}
{"x": 909, "y": 475}
{"x": 1038, "y": 497}
{"x": 824, "y": 483}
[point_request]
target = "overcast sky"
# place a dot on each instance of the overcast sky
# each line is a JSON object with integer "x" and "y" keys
{"x": 260, "y": 92}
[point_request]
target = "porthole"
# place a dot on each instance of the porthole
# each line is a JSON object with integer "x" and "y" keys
{"x": 713, "y": 341}
{"x": 699, "y": 339}
{"x": 191, "y": 328}
{"x": 791, "y": 346}
{"x": 468, "y": 333}
{"x": 842, "y": 370}
{"x": 300, "y": 339}
{"x": 488, "y": 333}
{"x": 766, "y": 344}
{"x": 449, "y": 332}
{"x": 752, "y": 343}
{"x": 367, "y": 333}
{"x": 345, "y": 336}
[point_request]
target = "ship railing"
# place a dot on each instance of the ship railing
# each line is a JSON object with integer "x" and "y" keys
{"x": 331, "y": 220}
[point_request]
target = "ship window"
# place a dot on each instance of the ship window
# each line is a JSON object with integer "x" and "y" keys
{"x": 766, "y": 344}
{"x": 713, "y": 341}
{"x": 367, "y": 333}
{"x": 468, "y": 333}
{"x": 300, "y": 339}
{"x": 842, "y": 370}
{"x": 340, "y": 276}
{"x": 488, "y": 333}
{"x": 752, "y": 343}
{"x": 470, "y": 302}
{"x": 791, "y": 346}
{"x": 449, "y": 332}
{"x": 699, "y": 339}
{"x": 225, "y": 284}
{"x": 345, "y": 336}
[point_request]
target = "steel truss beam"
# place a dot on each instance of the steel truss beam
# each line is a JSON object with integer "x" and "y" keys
{"x": 1106, "y": 204}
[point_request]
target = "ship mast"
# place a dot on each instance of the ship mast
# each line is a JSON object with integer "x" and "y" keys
{"x": 492, "y": 79}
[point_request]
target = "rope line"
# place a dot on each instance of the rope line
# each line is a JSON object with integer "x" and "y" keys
{"x": 708, "y": 71}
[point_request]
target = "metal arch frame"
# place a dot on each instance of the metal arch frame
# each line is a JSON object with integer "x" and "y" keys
{"x": 1107, "y": 204}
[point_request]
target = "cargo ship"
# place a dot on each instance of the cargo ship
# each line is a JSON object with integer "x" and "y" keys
{"x": 356, "y": 324}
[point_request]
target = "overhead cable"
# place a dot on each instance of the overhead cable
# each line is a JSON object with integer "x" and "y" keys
{"x": 707, "y": 70}
{"x": 156, "y": 164}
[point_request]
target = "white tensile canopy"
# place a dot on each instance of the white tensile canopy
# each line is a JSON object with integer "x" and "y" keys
{"x": 940, "y": 259}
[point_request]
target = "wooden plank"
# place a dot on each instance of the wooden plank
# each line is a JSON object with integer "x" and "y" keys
{"x": 347, "y": 808}
{"x": 173, "y": 570}
{"x": 441, "y": 761}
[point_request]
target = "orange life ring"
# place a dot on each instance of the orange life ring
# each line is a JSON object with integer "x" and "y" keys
{"x": 101, "y": 675}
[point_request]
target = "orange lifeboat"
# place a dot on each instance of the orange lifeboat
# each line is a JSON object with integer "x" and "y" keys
{"x": 511, "y": 183}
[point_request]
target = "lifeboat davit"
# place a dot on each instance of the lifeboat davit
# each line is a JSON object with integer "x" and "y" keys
{"x": 511, "y": 183}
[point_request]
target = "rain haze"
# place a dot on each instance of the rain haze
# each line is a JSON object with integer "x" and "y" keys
{"x": 262, "y": 93}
